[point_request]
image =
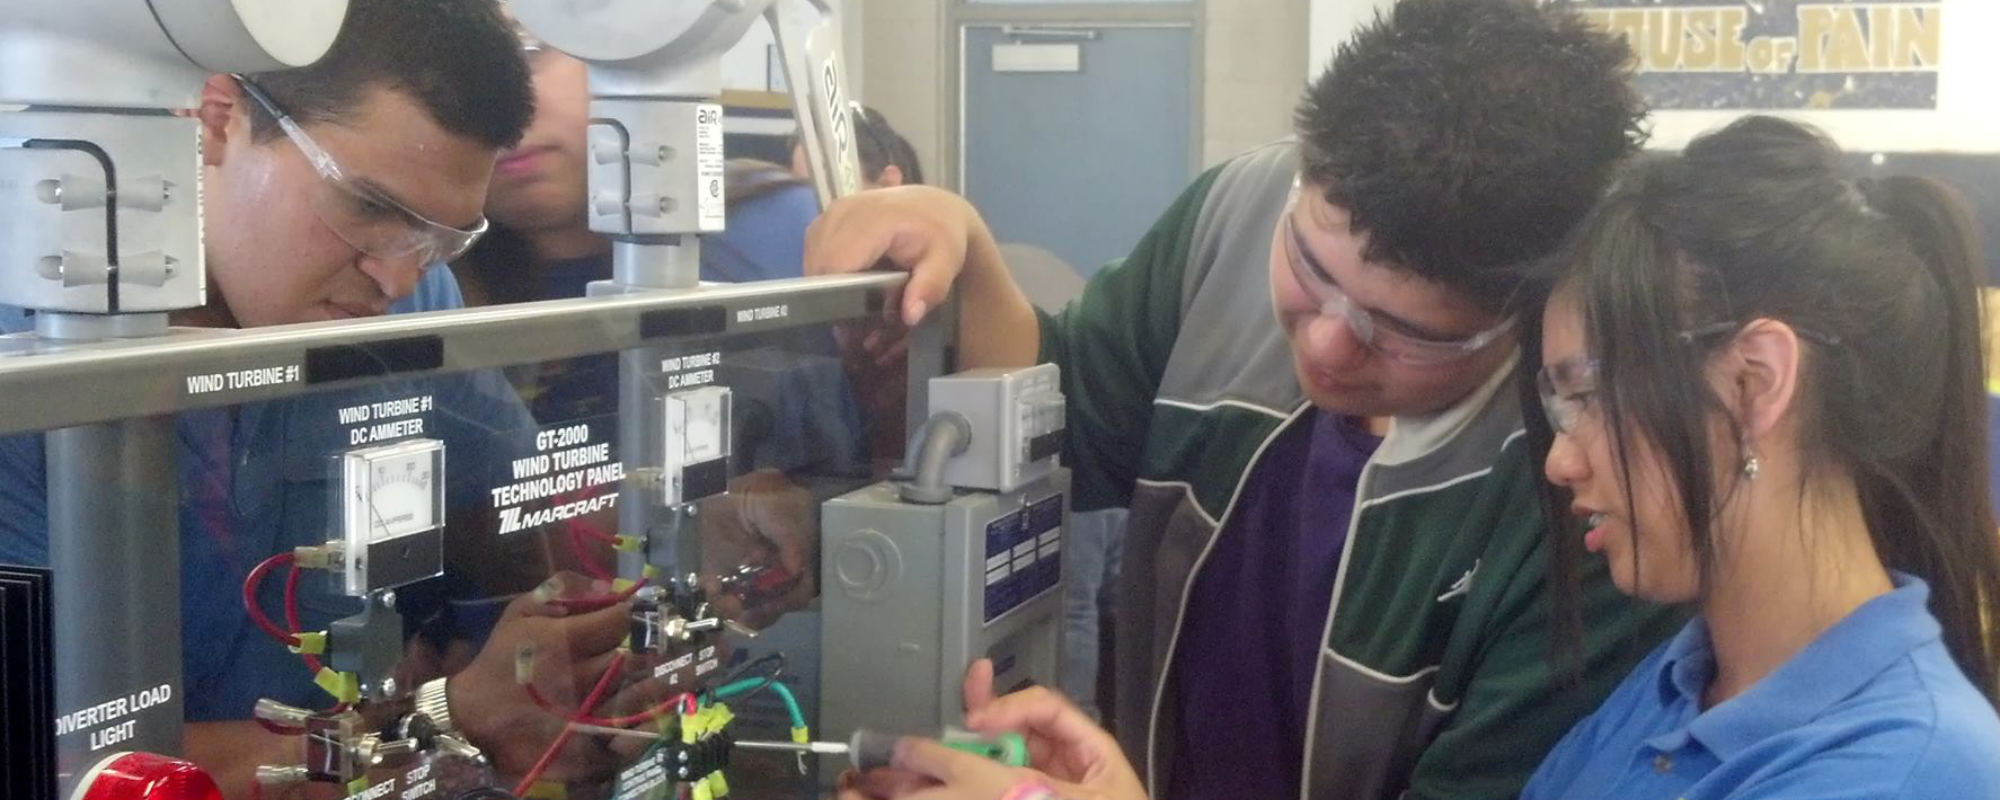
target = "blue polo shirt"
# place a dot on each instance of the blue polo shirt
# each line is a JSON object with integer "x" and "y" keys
{"x": 1873, "y": 709}
{"x": 256, "y": 480}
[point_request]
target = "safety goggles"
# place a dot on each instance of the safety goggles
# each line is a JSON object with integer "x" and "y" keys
{"x": 1382, "y": 336}
{"x": 365, "y": 218}
{"x": 1567, "y": 388}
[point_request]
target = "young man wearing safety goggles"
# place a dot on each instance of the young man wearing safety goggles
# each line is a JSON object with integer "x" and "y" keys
{"x": 1332, "y": 586}
{"x": 330, "y": 192}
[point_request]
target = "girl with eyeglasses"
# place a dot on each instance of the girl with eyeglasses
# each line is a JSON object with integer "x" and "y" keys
{"x": 1763, "y": 392}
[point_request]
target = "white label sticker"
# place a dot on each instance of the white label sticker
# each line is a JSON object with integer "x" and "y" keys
{"x": 763, "y": 313}
{"x": 241, "y": 379}
{"x": 379, "y": 791}
{"x": 710, "y": 200}
{"x": 108, "y": 715}
{"x": 638, "y": 781}
{"x": 846, "y": 180}
{"x": 690, "y": 371}
{"x": 387, "y": 420}
{"x": 673, "y": 666}
{"x": 998, "y": 574}
{"x": 568, "y": 464}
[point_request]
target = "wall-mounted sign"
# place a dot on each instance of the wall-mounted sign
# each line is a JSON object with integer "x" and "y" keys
{"x": 1780, "y": 54}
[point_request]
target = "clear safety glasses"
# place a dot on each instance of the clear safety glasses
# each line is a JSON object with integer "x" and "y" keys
{"x": 365, "y": 218}
{"x": 1381, "y": 336}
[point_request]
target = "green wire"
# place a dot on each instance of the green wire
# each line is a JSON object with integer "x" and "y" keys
{"x": 784, "y": 693}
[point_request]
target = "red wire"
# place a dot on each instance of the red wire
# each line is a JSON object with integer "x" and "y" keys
{"x": 577, "y": 532}
{"x": 578, "y": 526}
{"x": 583, "y": 557}
{"x": 281, "y": 730}
{"x": 250, "y": 584}
{"x": 562, "y": 738}
{"x": 684, "y": 699}
{"x": 292, "y": 619}
{"x": 292, "y": 615}
{"x": 584, "y": 604}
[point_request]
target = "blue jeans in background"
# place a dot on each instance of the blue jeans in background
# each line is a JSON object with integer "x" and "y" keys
{"x": 1096, "y": 542}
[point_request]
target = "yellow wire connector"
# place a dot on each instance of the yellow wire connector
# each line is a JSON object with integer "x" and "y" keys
{"x": 344, "y": 686}
{"x": 311, "y": 643}
{"x": 548, "y": 790}
{"x": 320, "y": 557}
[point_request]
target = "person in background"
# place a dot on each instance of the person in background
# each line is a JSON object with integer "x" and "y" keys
{"x": 1300, "y": 381}
{"x": 541, "y": 246}
{"x": 1763, "y": 388}
{"x": 1761, "y": 383}
{"x": 887, "y": 158}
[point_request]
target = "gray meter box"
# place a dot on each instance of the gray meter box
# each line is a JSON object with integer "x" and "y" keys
{"x": 912, "y": 594}
{"x": 1018, "y": 414}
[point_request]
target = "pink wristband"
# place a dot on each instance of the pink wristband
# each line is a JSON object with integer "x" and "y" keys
{"x": 1030, "y": 789}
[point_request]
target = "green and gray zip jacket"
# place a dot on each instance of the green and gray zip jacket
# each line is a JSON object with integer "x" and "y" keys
{"x": 1436, "y": 678}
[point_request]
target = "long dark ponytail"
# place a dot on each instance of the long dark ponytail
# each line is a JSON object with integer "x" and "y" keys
{"x": 1762, "y": 220}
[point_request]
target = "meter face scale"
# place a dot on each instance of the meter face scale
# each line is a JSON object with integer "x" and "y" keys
{"x": 695, "y": 444}
{"x": 400, "y": 496}
{"x": 392, "y": 514}
{"x": 703, "y": 436}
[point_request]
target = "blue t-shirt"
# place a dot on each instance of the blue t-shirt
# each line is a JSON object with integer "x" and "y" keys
{"x": 255, "y": 481}
{"x": 1993, "y": 448}
{"x": 765, "y": 239}
{"x": 1256, "y": 618}
{"x": 1874, "y": 709}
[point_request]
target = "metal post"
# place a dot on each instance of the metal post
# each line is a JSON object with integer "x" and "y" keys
{"x": 656, "y": 262}
{"x": 114, "y": 541}
{"x": 643, "y": 263}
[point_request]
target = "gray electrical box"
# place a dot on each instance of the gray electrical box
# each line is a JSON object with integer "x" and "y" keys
{"x": 1017, "y": 418}
{"x": 913, "y": 593}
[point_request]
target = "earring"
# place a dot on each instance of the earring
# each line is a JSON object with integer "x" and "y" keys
{"x": 1750, "y": 466}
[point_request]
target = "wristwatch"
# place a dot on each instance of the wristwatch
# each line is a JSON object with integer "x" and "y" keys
{"x": 432, "y": 703}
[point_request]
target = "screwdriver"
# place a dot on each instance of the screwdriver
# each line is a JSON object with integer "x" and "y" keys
{"x": 871, "y": 749}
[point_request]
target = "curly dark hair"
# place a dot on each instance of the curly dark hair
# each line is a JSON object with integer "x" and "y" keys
{"x": 1468, "y": 137}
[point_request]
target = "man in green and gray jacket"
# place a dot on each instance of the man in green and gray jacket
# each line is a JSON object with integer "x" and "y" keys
{"x": 1332, "y": 585}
